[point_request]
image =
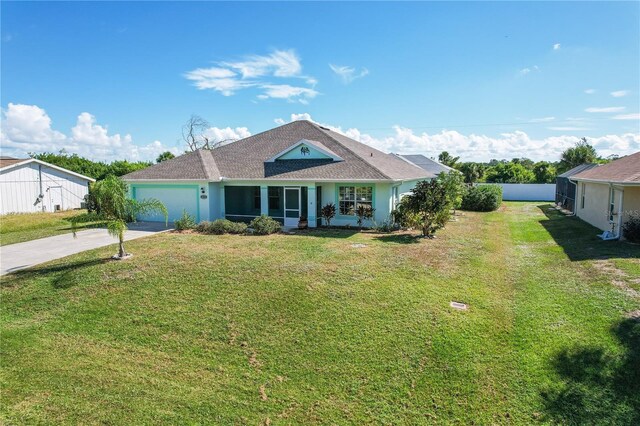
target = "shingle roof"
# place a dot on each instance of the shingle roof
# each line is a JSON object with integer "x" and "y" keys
{"x": 623, "y": 170}
{"x": 577, "y": 169}
{"x": 246, "y": 159}
{"x": 426, "y": 163}
{"x": 197, "y": 165}
{"x": 8, "y": 161}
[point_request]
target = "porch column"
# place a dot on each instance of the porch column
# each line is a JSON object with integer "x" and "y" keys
{"x": 311, "y": 206}
{"x": 264, "y": 200}
{"x": 221, "y": 198}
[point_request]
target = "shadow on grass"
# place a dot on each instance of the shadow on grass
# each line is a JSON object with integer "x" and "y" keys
{"x": 598, "y": 387}
{"x": 323, "y": 232}
{"x": 400, "y": 238}
{"x": 61, "y": 276}
{"x": 578, "y": 239}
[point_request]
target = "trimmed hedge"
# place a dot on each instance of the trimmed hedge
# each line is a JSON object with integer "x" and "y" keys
{"x": 265, "y": 225}
{"x": 482, "y": 198}
{"x": 221, "y": 226}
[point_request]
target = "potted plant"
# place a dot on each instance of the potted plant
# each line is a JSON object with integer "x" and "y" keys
{"x": 303, "y": 223}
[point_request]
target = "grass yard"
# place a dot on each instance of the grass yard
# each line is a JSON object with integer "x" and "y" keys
{"x": 306, "y": 329}
{"x": 18, "y": 228}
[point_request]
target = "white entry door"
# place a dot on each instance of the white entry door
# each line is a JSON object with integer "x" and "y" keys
{"x": 291, "y": 206}
{"x": 55, "y": 198}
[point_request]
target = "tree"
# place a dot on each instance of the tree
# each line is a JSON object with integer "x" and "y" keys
{"x": 194, "y": 134}
{"x": 430, "y": 204}
{"x": 167, "y": 155}
{"x": 447, "y": 159}
{"x": 116, "y": 209}
{"x": 454, "y": 187}
{"x": 581, "y": 153}
{"x": 472, "y": 172}
{"x": 509, "y": 173}
{"x": 544, "y": 172}
{"x": 95, "y": 169}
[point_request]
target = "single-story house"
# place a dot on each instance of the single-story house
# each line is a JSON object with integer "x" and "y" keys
{"x": 287, "y": 173}
{"x": 29, "y": 185}
{"x": 609, "y": 193}
{"x": 426, "y": 163}
{"x": 566, "y": 190}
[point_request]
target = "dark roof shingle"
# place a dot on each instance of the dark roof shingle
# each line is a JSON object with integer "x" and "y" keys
{"x": 624, "y": 170}
{"x": 247, "y": 158}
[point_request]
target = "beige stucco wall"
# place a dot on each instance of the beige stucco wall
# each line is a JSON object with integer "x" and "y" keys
{"x": 596, "y": 204}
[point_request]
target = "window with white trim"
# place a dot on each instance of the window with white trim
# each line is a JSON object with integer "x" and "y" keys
{"x": 350, "y": 197}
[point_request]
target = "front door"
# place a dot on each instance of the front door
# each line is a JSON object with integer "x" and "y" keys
{"x": 55, "y": 199}
{"x": 291, "y": 206}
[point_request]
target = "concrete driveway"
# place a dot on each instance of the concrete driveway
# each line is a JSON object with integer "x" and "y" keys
{"x": 24, "y": 255}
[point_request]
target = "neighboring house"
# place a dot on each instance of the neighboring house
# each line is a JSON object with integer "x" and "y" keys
{"x": 30, "y": 185}
{"x": 287, "y": 172}
{"x": 608, "y": 194}
{"x": 426, "y": 163}
{"x": 566, "y": 190}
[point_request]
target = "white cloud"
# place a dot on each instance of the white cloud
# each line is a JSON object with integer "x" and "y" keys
{"x": 294, "y": 117}
{"x": 605, "y": 109}
{"x": 568, "y": 128}
{"x": 556, "y": 46}
{"x": 619, "y": 93}
{"x": 28, "y": 128}
{"x": 590, "y": 91}
{"x": 528, "y": 70}
{"x": 227, "y": 134}
{"x": 634, "y": 116}
{"x": 284, "y": 91}
{"x": 542, "y": 119}
{"x": 254, "y": 71}
{"x": 474, "y": 147}
{"x": 347, "y": 73}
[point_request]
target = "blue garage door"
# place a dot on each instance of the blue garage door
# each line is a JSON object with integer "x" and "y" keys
{"x": 175, "y": 198}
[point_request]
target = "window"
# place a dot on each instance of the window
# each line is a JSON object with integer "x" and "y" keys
{"x": 350, "y": 197}
{"x": 274, "y": 197}
{"x": 584, "y": 187}
{"x": 256, "y": 197}
{"x": 612, "y": 194}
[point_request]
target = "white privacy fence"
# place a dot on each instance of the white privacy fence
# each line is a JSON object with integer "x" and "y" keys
{"x": 527, "y": 191}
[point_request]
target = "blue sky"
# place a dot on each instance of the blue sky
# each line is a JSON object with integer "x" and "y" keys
{"x": 482, "y": 80}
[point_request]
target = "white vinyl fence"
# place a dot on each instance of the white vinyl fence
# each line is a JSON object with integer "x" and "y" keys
{"x": 527, "y": 191}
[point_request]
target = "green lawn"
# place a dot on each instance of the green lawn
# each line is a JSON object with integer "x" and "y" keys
{"x": 17, "y": 228}
{"x": 306, "y": 329}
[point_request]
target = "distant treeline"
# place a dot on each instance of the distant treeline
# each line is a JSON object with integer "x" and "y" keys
{"x": 524, "y": 170}
{"x": 94, "y": 169}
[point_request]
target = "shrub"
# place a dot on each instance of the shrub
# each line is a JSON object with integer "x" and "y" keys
{"x": 186, "y": 221}
{"x": 482, "y": 198}
{"x": 387, "y": 226}
{"x": 631, "y": 228}
{"x": 364, "y": 212}
{"x": 265, "y": 225}
{"x": 222, "y": 226}
{"x": 328, "y": 212}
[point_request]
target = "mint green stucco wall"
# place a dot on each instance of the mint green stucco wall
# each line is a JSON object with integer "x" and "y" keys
{"x": 296, "y": 154}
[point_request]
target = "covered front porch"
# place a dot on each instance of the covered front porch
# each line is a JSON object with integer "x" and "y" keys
{"x": 287, "y": 202}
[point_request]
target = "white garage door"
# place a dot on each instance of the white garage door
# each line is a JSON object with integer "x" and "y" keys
{"x": 175, "y": 199}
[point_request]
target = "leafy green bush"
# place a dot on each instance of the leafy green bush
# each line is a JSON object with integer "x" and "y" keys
{"x": 221, "y": 226}
{"x": 388, "y": 225}
{"x": 631, "y": 228}
{"x": 364, "y": 212}
{"x": 482, "y": 198}
{"x": 265, "y": 225}
{"x": 186, "y": 221}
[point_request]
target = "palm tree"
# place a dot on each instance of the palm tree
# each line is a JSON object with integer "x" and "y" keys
{"x": 116, "y": 209}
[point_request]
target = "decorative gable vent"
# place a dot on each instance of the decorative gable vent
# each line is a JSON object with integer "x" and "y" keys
{"x": 305, "y": 149}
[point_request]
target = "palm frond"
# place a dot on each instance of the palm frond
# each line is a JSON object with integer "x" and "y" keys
{"x": 147, "y": 206}
{"x": 116, "y": 228}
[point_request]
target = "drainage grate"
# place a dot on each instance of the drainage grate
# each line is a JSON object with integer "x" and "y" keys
{"x": 458, "y": 305}
{"x": 357, "y": 245}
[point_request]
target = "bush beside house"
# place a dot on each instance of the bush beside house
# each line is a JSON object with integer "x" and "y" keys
{"x": 483, "y": 198}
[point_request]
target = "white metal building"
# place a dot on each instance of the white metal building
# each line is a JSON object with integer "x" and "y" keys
{"x": 30, "y": 185}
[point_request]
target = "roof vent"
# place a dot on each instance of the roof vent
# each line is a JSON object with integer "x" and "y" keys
{"x": 322, "y": 127}
{"x": 372, "y": 154}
